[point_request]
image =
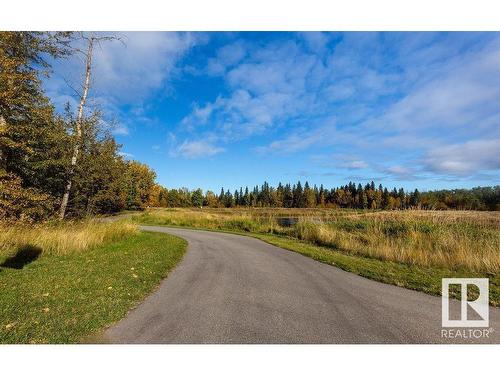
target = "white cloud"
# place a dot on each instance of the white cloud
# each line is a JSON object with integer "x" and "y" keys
{"x": 463, "y": 96}
{"x": 451, "y": 102}
{"x": 283, "y": 85}
{"x": 316, "y": 41}
{"x": 226, "y": 57}
{"x": 126, "y": 72}
{"x": 125, "y": 154}
{"x": 196, "y": 149}
{"x": 232, "y": 54}
{"x": 148, "y": 59}
{"x": 413, "y": 97}
{"x": 465, "y": 159}
{"x": 303, "y": 139}
{"x": 355, "y": 164}
{"x": 123, "y": 74}
{"x": 120, "y": 129}
{"x": 267, "y": 88}
{"x": 399, "y": 172}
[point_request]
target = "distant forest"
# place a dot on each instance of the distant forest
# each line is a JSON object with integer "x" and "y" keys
{"x": 351, "y": 195}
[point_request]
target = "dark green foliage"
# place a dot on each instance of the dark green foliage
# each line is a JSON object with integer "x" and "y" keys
{"x": 197, "y": 198}
{"x": 396, "y": 229}
{"x": 353, "y": 226}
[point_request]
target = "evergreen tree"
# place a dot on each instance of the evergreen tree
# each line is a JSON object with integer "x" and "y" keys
{"x": 321, "y": 201}
{"x": 197, "y": 198}
{"x": 309, "y": 196}
{"x": 287, "y": 196}
{"x": 246, "y": 200}
{"x": 221, "y": 196}
{"x": 298, "y": 196}
{"x": 415, "y": 198}
{"x": 228, "y": 199}
{"x": 385, "y": 198}
{"x": 364, "y": 200}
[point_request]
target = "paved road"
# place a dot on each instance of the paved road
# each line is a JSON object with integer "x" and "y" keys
{"x": 236, "y": 289}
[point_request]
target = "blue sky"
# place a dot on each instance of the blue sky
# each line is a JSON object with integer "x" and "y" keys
{"x": 417, "y": 110}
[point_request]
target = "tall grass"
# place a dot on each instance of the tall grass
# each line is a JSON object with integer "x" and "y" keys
{"x": 62, "y": 238}
{"x": 452, "y": 240}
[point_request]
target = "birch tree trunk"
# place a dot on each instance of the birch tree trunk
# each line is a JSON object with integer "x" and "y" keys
{"x": 3, "y": 128}
{"x": 78, "y": 129}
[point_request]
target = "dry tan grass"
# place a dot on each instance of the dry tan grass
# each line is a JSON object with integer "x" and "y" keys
{"x": 449, "y": 239}
{"x": 62, "y": 238}
{"x": 450, "y": 247}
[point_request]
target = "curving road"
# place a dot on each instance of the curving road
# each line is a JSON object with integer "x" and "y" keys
{"x": 237, "y": 289}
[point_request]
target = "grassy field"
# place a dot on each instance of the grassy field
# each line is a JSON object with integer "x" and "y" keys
{"x": 70, "y": 283}
{"x": 414, "y": 249}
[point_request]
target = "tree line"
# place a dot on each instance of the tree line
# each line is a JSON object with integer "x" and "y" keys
{"x": 46, "y": 157}
{"x": 351, "y": 195}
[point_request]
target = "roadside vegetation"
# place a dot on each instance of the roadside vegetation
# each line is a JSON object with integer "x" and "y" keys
{"x": 61, "y": 238}
{"x": 66, "y": 284}
{"x": 407, "y": 248}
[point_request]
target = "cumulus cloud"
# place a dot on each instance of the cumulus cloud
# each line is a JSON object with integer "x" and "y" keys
{"x": 464, "y": 94}
{"x": 399, "y": 172}
{"x": 120, "y": 129}
{"x": 465, "y": 159}
{"x": 267, "y": 88}
{"x": 199, "y": 115}
{"x": 125, "y": 154}
{"x": 316, "y": 41}
{"x": 284, "y": 85}
{"x": 226, "y": 57}
{"x": 303, "y": 139}
{"x": 123, "y": 73}
{"x": 354, "y": 164}
{"x": 147, "y": 60}
{"x": 408, "y": 97}
{"x": 196, "y": 149}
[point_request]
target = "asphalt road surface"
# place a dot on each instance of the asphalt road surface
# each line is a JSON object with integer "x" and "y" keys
{"x": 237, "y": 289}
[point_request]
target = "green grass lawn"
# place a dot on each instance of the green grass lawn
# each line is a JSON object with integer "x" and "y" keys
{"x": 65, "y": 299}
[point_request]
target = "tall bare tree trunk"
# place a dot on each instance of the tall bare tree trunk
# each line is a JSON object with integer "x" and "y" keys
{"x": 3, "y": 128}
{"x": 78, "y": 125}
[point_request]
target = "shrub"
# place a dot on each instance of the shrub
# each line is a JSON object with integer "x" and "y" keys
{"x": 393, "y": 229}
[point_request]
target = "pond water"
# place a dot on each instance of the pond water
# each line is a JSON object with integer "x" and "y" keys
{"x": 287, "y": 221}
